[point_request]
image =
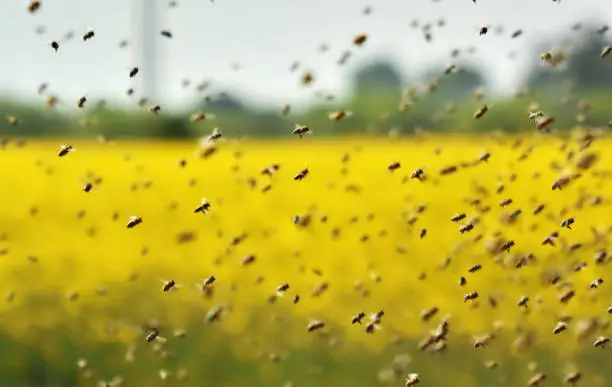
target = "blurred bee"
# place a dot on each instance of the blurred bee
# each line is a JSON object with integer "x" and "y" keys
{"x": 543, "y": 124}
{"x": 270, "y": 170}
{"x": 133, "y": 221}
{"x": 315, "y": 325}
{"x": 281, "y": 289}
{"x": 34, "y": 6}
{"x": 166, "y": 34}
{"x": 13, "y": 120}
{"x": 200, "y": 116}
{"x": 572, "y": 378}
{"x": 133, "y": 72}
{"x": 537, "y": 379}
{"x": 428, "y": 314}
{"x": 483, "y": 30}
{"x": 296, "y": 299}
{"x": 484, "y": 157}
{"x": 155, "y": 109}
{"x": 357, "y": 318}
{"x": 458, "y": 217}
{"x": 601, "y": 341}
{"x": 418, "y": 174}
{"x": 81, "y": 102}
{"x": 533, "y": 115}
{"x": 481, "y": 112}
{"x": 412, "y": 380}
{"x": 565, "y": 297}
{"x": 216, "y": 134}
{"x": 340, "y": 114}
{"x": 567, "y": 223}
{"x": 423, "y": 233}
{"x": 152, "y": 335}
{"x": 88, "y": 35}
{"x": 606, "y": 52}
{"x": 301, "y": 130}
{"x": 169, "y": 285}
{"x": 51, "y": 101}
{"x": 451, "y": 68}
{"x": 470, "y": 296}
{"x": 360, "y": 39}
{"x": 307, "y": 79}
{"x": 286, "y": 109}
{"x": 301, "y": 175}
{"x": 203, "y": 207}
{"x": 507, "y": 246}
{"x": 214, "y": 314}
{"x": 394, "y": 166}
{"x": 64, "y": 150}
{"x": 560, "y": 327}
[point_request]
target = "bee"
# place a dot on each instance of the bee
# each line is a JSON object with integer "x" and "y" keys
{"x": 34, "y": 6}
{"x": 601, "y": 341}
{"x": 544, "y": 123}
{"x": 428, "y": 314}
{"x": 169, "y": 285}
{"x": 54, "y": 45}
{"x": 483, "y": 30}
{"x": 51, "y": 101}
{"x": 360, "y": 39}
{"x": 13, "y": 120}
{"x": 481, "y": 112}
{"x": 81, "y": 102}
{"x": 423, "y": 233}
{"x": 301, "y": 130}
{"x": 572, "y": 377}
{"x": 537, "y": 379}
{"x": 466, "y": 227}
{"x": 393, "y": 166}
{"x": 550, "y": 239}
{"x": 412, "y": 380}
{"x": 484, "y": 157}
{"x": 133, "y": 72}
{"x": 357, "y": 318}
{"x": 507, "y": 246}
{"x": 249, "y": 259}
{"x": 214, "y": 314}
{"x": 216, "y": 134}
{"x": 307, "y": 79}
{"x": 567, "y": 223}
{"x": 199, "y": 116}
{"x": 560, "y": 327}
{"x": 595, "y": 283}
{"x": 88, "y": 35}
{"x": 64, "y": 150}
{"x": 270, "y": 170}
{"x": 286, "y": 109}
{"x": 315, "y": 325}
{"x": 606, "y": 52}
{"x": 505, "y": 202}
{"x": 133, "y": 221}
{"x": 338, "y": 115}
{"x": 155, "y": 109}
{"x": 166, "y": 34}
{"x": 451, "y": 68}
{"x": 152, "y": 335}
{"x": 296, "y": 299}
{"x": 371, "y": 327}
{"x": 600, "y": 257}
{"x": 533, "y": 115}
{"x": 448, "y": 170}
{"x": 458, "y": 217}
{"x": 565, "y": 297}
{"x": 475, "y": 268}
{"x": 523, "y": 301}
{"x": 282, "y": 288}
{"x": 203, "y": 207}
{"x": 561, "y": 182}
{"x": 301, "y": 175}
{"x": 470, "y": 296}
{"x": 418, "y": 174}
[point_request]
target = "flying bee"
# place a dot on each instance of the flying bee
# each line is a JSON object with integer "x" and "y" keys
{"x": 133, "y": 72}
{"x": 152, "y": 335}
{"x": 606, "y": 52}
{"x": 301, "y": 175}
{"x": 270, "y": 170}
{"x": 216, "y": 134}
{"x": 166, "y": 34}
{"x": 470, "y": 296}
{"x": 393, "y": 166}
{"x": 572, "y": 378}
{"x": 595, "y": 283}
{"x": 307, "y": 79}
{"x": 208, "y": 282}
{"x": 567, "y": 223}
{"x": 550, "y": 239}
{"x": 133, "y": 221}
{"x": 537, "y": 379}
{"x": 423, "y": 233}
{"x": 340, "y": 114}
{"x": 566, "y": 296}
{"x": 533, "y": 115}
{"x": 484, "y": 157}
{"x": 169, "y": 285}
{"x": 458, "y": 217}
{"x": 539, "y": 209}
{"x": 466, "y": 227}
{"x": 544, "y": 123}
{"x": 505, "y": 202}
{"x": 155, "y": 109}
{"x": 34, "y": 6}
{"x": 560, "y": 327}
{"x": 13, "y": 120}
{"x": 51, "y": 101}
{"x": 428, "y": 314}
{"x": 315, "y": 325}
{"x": 203, "y": 207}
{"x": 475, "y": 268}
{"x": 214, "y": 314}
{"x": 200, "y": 116}
{"x": 561, "y": 182}
{"x": 418, "y": 174}
{"x": 64, "y": 150}
{"x": 286, "y": 109}
{"x": 523, "y": 301}
{"x": 301, "y": 130}
{"x": 371, "y": 327}
{"x": 281, "y": 289}
{"x": 88, "y": 35}
{"x": 481, "y": 112}
{"x": 81, "y": 102}
{"x": 360, "y": 39}
{"x": 296, "y": 299}
{"x": 507, "y": 246}
{"x": 601, "y": 341}
{"x": 412, "y": 380}
{"x": 451, "y": 68}
{"x": 357, "y": 318}
{"x": 54, "y": 45}
{"x": 483, "y": 30}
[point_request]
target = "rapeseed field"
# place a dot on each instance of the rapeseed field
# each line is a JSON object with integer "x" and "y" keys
{"x": 373, "y": 225}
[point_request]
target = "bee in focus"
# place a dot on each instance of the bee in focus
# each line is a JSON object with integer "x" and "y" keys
{"x": 64, "y": 150}
{"x": 301, "y": 175}
{"x": 301, "y": 130}
{"x": 134, "y": 221}
{"x": 481, "y": 112}
{"x": 203, "y": 207}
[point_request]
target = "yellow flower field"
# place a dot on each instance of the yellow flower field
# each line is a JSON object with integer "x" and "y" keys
{"x": 73, "y": 272}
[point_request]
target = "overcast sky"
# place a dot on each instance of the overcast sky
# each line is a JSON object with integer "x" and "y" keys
{"x": 264, "y": 37}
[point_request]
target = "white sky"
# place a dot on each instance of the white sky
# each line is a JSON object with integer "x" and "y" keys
{"x": 265, "y": 37}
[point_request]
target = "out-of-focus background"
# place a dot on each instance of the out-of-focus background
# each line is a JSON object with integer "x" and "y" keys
{"x": 163, "y": 222}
